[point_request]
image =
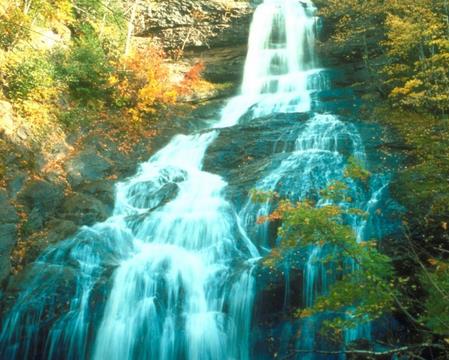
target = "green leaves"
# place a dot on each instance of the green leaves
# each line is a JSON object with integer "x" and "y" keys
{"x": 261, "y": 196}
{"x": 364, "y": 289}
{"x": 356, "y": 171}
{"x": 436, "y": 282}
{"x": 364, "y": 292}
{"x": 86, "y": 69}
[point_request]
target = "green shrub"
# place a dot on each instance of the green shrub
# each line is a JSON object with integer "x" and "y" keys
{"x": 28, "y": 75}
{"x": 86, "y": 69}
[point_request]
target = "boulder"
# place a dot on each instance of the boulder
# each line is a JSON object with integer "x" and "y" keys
{"x": 87, "y": 166}
{"x": 60, "y": 230}
{"x": 221, "y": 65}
{"x": 8, "y": 237}
{"x": 35, "y": 221}
{"x": 8, "y": 214}
{"x": 16, "y": 183}
{"x": 103, "y": 190}
{"x": 43, "y": 196}
{"x": 84, "y": 209}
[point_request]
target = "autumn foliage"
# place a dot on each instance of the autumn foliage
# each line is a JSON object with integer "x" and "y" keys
{"x": 142, "y": 82}
{"x": 403, "y": 44}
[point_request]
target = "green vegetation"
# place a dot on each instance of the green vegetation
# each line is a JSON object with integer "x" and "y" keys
{"x": 365, "y": 289}
{"x": 403, "y": 47}
{"x": 369, "y": 283}
{"x": 70, "y": 71}
{"x": 64, "y": 63}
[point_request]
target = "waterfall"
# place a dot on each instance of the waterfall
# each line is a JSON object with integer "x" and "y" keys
{"x": 281, "y": 66}
{"x": 170, "y": 275}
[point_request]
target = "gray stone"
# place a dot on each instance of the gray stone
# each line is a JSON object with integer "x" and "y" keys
{"x": 43, "y": 196}
{"x": 103, "y": 190}
{"x": 8, "y": 237}
{"x": 8, "y": 214}
{"x": 87, "y": 166}
{"x": 188, "y": 24}
{"x": 83, "y": 209}
{"x": 58, "y": 230}
{"x": 35, "y": 221}
{"x": 16, "y": 183}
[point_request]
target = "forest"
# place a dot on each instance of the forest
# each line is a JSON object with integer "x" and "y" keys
{"x": 101, "y": 81}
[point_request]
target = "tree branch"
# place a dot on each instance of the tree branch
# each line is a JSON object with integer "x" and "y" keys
{"x": 406, "y": 348}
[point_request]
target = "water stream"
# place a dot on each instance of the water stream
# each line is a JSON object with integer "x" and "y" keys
{"x": 170, "y": 274}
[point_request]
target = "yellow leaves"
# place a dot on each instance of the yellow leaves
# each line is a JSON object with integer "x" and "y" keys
{"x": 272, "y": 258}
{"x": 113, "y": 80}
{"x": 411, "y": 94}
{"x": 303, "y": 313}
{"x": 408, "y": 88}
{"x": 143, "y": 83}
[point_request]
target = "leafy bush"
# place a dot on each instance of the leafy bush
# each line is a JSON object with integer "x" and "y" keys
{"x": 86, "y": 69}
{"x": 142, "y": 82}
{"x": 13, "y": 27}
{"x": 28, "y": 75}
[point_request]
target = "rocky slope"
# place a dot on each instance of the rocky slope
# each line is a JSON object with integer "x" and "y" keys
{"x": 45, "y": 196}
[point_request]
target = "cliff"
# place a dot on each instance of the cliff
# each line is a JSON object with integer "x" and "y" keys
{"x": 213, "y": 32}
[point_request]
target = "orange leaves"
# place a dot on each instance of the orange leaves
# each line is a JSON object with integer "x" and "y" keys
{"x": 439, "y": 265}
{"x": 193, "y": 82}
{"x": 194, "y": 74}
{"x": 142, "y": 82}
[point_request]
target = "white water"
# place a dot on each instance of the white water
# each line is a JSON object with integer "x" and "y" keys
{"x": 280, "y": 69}
{"x": 175, "y": 275}
{"x": 170, "y": 274}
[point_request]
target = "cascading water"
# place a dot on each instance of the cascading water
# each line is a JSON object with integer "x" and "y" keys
{"x": 170, "y": 274}
{"x": 280, "y": 68}
{"x": 170, "y": 244}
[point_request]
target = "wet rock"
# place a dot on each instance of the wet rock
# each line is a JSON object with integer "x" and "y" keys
{"x": 60, "y": 230}
{"x": 222, "y": 65}
{"x": 8, "y": 237}
{"x": 141, "y": 195}
{"x": 245, "y": 153}
{"x": 242, "y": 153}
{"x": 87, "y": 166}
{"x": 35, "y": 221}
{"x": 279, "y": 282}
{"x": 8, "y": 214}
{"x": 16, "y": 183}
{"x": 60, "y": 280}
{"x": 43, "y": 196}
{"x": 83, "y": 209}
{"x": 165, "y": 194}
{"x": 8, "y": 234}
{"x": 56, "y": 230}
{"x": 103, "y": 190}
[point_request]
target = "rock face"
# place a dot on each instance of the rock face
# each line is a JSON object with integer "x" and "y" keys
{"x": 214, "y": 32}
{"x": 83, "y": 209}
{"x": 87, "y": 165}
{"x": 8, "y": 234}
{"x": 6, "y": 117}
{"x": 190, "y": 24}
